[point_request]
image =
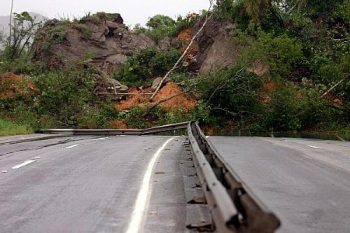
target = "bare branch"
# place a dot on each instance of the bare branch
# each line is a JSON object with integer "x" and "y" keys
{"x": 333, "y": 87}
{"x": 185, "y": 52}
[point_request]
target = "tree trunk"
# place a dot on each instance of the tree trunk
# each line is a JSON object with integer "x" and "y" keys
{"x": 11, "y": 12}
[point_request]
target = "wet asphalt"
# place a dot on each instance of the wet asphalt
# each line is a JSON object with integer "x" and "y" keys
{"x": 305, "y": 182}
{"x": 88, "y": 184}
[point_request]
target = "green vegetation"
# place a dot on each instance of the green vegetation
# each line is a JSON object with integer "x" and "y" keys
{"x": 8, "y": 128}
{"x": 148, "y": 64}
{"x": 304, "y": 48}
{"x": 161, "y": 26}
{"x": 61, "y": 99}
{"x": 17, "y": 52}
{"x": 292, "y": 73}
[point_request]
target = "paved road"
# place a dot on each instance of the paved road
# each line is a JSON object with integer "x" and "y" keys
{"x": 305, "y": 182}
{"x": 90, "y": 184}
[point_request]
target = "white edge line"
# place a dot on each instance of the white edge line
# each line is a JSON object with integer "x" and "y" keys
{"x": 25, "y": 163}
{"x": 72, "y": 146}
{"x": 142, "y": 199}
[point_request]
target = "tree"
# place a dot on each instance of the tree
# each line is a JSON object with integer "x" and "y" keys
{"x": 160, "y": 21}
{"x": 257, "y": 8}
{"x": 23, "y": 30}
{"x": 11, "y": 12}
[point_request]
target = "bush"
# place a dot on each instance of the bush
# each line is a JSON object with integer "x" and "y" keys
{"x": 21, "y": 65}
{"x": 9, "y": 128}
{"x": 281, "y": 53}
{"x": 231, "y": 93}
{"x": 325, "y": 70}
{"x": 63, "y": 99}
{"x": 141, "y": 68}
{"x": 161, "y": 26}
{"x": 234, "y": 11}
{"x": 285, "y": 110}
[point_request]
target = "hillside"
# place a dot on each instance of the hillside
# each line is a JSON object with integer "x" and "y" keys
{"x": 256, "y": 69}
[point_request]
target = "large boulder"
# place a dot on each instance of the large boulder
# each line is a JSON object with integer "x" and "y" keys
{"x": 101, "y": 38}
{"x": 217, "y": 47}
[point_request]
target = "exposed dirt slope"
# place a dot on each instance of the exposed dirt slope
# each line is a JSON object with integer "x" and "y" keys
{"x": 180, "y": 102}
{"x": 12, "y": 85}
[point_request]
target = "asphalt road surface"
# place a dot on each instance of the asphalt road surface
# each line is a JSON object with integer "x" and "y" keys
{"x": 128, "y": 183}
{"x": 92, "y": 184}
{"x": 305, "y": 182}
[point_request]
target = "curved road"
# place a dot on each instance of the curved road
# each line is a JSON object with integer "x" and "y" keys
{"x": 89, "y": 184}
{"x": 112, "y": 184}
{"x": 305, "y": 182}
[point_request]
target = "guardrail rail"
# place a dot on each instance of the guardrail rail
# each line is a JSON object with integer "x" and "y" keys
{"x": 153, "y": 130}
{"x": 233, "y": 207}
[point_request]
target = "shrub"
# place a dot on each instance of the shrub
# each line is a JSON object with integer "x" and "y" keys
{"x": 285, "y": 110}
{"x": 160, "y": 26}
{"x": 148, "y": 64}
{"x": 68, "y": 97}
{"x": 325, "y": 70}
{"x": 281, "y": 53}
{"x": 9, "y": 128}
{"x": 231, "y": 93}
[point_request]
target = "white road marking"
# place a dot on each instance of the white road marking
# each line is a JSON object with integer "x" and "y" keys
{"x": 4, "y": 171}
{"x": 72, "y": 146}
{"x": 37, "y": 157}
{"x": 25, "y": 163}
{"x": 143, "y": 196}
{"x": 97, "y": 139}
{"x": 315, "y": 147}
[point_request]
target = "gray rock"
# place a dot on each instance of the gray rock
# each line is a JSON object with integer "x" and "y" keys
{"x": 156, "y": 83}
{"x": 217, "y": 47}
{"x": 108, "y": 44}
{"x": 112, "y": 25}
{"x": 109, "y": 86}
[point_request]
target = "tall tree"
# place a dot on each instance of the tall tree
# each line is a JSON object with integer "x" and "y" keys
{"x": 11, "y": 12}
{"x": 257, "y": 8}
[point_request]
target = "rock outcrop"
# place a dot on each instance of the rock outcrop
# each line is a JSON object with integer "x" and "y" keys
{"x": 102, "y": 39}
{"x": 217, "y": 47}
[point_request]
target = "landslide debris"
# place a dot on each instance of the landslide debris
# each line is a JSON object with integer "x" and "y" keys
{"x": 13, "y": 85}
{"x": 179, "y": 102}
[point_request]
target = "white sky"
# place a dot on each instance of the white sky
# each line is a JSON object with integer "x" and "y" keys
{"x": 133, "y": 11}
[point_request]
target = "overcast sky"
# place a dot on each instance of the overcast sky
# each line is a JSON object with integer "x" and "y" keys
{"x": 133, "y": 11}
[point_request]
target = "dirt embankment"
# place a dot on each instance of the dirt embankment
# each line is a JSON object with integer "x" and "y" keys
{"x": 12, "y": 85}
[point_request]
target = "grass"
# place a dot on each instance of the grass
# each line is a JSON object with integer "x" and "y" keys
{"x": 8, "y": 128}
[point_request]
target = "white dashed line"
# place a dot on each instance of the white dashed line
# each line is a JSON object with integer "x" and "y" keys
{"x": 141, "y": 203}
{"x": 4, "y": 171}
{"x": 97, "y": 139}
{"x": 25, "y": 163}
{"x": 72, "y": 146}
{"x": 315, "y": 147}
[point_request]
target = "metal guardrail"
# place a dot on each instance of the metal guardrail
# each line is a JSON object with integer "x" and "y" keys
{"x": 234, "y": 208}
{"x": 153, "y": 130}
